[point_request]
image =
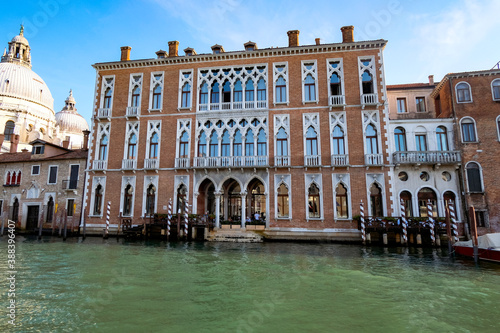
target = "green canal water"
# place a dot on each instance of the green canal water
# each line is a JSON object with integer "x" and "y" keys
{"x": 109, "y": 286}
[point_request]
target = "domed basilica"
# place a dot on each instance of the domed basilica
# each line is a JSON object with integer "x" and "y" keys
{"x": 27, "y": 107}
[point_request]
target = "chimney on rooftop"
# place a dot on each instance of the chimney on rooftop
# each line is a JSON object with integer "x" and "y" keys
{"x": 293, "y": 38}
{"x": 347, "y": 34}
{"x": 173, "y": 48}
{"x": 14, "y": 141}
{"x": 125, "y": 53}
{"x": 318, "y": 41}
{"x": 431, "y": 79}
{"x": 86, "y": 134}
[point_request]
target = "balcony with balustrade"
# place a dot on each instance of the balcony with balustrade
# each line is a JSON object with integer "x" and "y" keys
{"x": 337, "y": 100}
{"x": 182, "y": 162}
{"x": 312, "y": 160}
{"x": 151, "y": 164}
{"x": 104, "y": 114}
{"x": 374, "y": 159}
{"x": 369, "y": 99}
{"x": 133, "y": 112}
{"x": 99, "y": 165}
{"x": 281, "y": 161}
{"x": 226, "y": 106}
{"x": 426, "y": 157}
{"x": 129, "y": 164}
{"x": 230, "y": 162}
{"x": 340, "y": 160}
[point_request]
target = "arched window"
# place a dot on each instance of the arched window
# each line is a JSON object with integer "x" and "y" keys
{"x": 186, "y": 95}
{"x": 226, "y": 92}
{"x": 447, "y": 197}
{"x": 136, "y": 94}
{"x": 202, "y": 145}
{"x": 238, "y": 91}
{"x": 367, "y": 82}
{"x": 283, "y": 204}
{"x": 311, "y": 142}
{"x": 338, "y": 141}
{"x": 18, "y": 178}
{"x": 157, "y": 97}
{"x": 107, "y": 98}
{"x": 498, "y": 127}
{"x": 15, "y": 210}
{"x": 98, "y": 200}
{"x": 463, "y": 92}
{"x": 371, "y": 140}
{"x": 214, "y": 145}
{"x": 237, "y": 143}
{"x": 127, "y": 200}
{"x": 7, "y": 179}
{"x": 249, "y": 144}
{"x": 214, "y": 96}
{"x": 335, "y": 85}
{"x": 262, "y": 143}
{"x": 103, "y": 148}
{"x": 150, "y": 200}
{"x": 341, "y": 202}
{"x": 474, "y": 177}
{"x": 309, "y": 88}
{"x": 261, "y": 90}
{"x": 406, "y": 197}
{"x": 400, "y": 139}
{"x": 249, "y": 91}
{"x": 280, "y": 90}
{"x": 468, "y": 127}
{"x": 376, "y": 205}
{"x": 442, "y": 138}
{"x": 281, "y": 143}
{"x": 9, "y": 130}
{"x": 314, "y": 201}
{"x": 184, "y": 145}
{"x": 50, "y": 210}
{"x": 204, "y": 93}
{"x": 424, "y": 195}
{"x": 153, "y": 146}
{"x": 132, "y": 147}
{"x": 225, "y": 146}
{"x": 495, "y": 89}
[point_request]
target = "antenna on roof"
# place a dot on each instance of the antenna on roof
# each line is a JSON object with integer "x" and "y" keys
{"x": 497, "y": 66}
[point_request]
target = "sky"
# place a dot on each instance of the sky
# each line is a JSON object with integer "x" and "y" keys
{"x": 424, "y": 37}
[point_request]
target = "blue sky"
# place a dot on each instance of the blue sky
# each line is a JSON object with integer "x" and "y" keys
{"x": 425, "y": 37}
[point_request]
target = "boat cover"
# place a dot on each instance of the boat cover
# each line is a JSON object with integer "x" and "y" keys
{"x": 487, "y": 241}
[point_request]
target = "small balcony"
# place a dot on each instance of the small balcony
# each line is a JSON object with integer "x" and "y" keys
{"x": 312, "y": 160}
{"x": 104, "y": 114}
{"x": 182, "y": 162}
{"x": 281, "y": 161}
{"x": 338, "y": 100}
{"x": 369, "y": 99}
{"x": 151, "y": 164}
{"x": 69, "y": 184}
{"x": 226, "y": 106}
{"x": 230, "y": 161}
{"x": 340, "y": 160}
{"x": 133, "y": 111}
{"x": 426, "y": 157}
{"x": 374, "y": 159}
{"x": 129, "y": 164}
{"x": 99, "y": 164}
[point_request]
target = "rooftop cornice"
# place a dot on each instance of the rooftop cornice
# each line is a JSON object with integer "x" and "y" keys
{"x": 462, "y": 75}
{"x": 237, "y": 55}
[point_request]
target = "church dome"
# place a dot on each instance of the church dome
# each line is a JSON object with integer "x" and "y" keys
{"x": 69, "y": 120}
{"x": 20, "y": 39}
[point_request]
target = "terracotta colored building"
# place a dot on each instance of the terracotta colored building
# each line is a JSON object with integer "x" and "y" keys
{"x": 472, "y": 99}
{"x": 296, "y": 136}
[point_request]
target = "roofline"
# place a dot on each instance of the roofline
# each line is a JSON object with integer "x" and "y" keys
{"x": 395, "y": 86}
{"x": 459, "y": 75}
{"x": 48, "y": 143}
{"x": 236, "y": 55}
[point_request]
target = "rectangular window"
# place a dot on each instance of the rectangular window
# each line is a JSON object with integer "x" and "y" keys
{"x": 481, "y": 218}
{"x": 35, "y": 170}
{"x": 52, "y": 174}
{"x": 468, "y": 132}
{"x": 185, "y": 86}
{"x": 401, "y": 105}
{"x": 38, "y": 150}
{"x": 280, "y": 77}
{"x": 156, "y": 91}
{"x": 420, "y": 101}
{"x": 309, "y": 80}
{"x": 421, "y": 142}
{"x": 1, "y": 207}
{"x": 71, "y": 207}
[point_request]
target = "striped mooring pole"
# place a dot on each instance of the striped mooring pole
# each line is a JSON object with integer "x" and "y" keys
{"x": 186, "y": 208}
{"x": 362, "y": 219}
{"x": 404, "y": 222}
{"x": 108, "y": 212}
{"x": 431, "y": 221}
{"x": 169, "y": 216}
{"x": 453, "y": 220}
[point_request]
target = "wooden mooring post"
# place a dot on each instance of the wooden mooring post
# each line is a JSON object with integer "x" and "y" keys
{"x": 108, "y": 212}
{"x": 65, "y": 217}
{"x": 40, "y": 225}
{"x": 362, "y": 221}
{"x": 448, "y": 230}
{"x": 473, "y": 229}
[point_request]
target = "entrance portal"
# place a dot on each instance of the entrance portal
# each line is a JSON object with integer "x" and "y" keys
{"x": 32, "y": 219}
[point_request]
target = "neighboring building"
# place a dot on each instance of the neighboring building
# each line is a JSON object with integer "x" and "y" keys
{"x": 26, "y": 104}
{"x": 43, "y": 184}
{"x": 294, "y": 135}
{"x": 425, "y": 159}
{"x": 472, "y": 99}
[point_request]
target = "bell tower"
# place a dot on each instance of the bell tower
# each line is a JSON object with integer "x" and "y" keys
{"x": 18, "y": 50}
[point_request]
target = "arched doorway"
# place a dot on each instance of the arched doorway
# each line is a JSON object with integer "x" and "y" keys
{"x": 447, "y": 196}
{"x": 256, "y": 198}
{"x": 406, "y": 197}
{"x": 206, "y": 198}
{"x": 231, "y": 201}
{"x": 181, "y": 198}
{"x": 424, "y": 195}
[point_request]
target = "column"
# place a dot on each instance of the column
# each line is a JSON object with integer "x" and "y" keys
{"x": 217, "y": 209}
{"x": 243, "y": 208}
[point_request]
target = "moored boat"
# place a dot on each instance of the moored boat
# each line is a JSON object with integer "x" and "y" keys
{"x": 488, "y": 247}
